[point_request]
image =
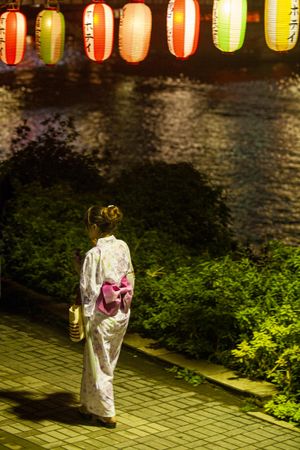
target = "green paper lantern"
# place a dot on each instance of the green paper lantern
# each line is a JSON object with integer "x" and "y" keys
{"x": 229, "y": 24}
{"x": 50, "y": 35}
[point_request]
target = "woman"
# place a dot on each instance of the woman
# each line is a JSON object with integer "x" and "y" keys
{"x": 106, "y": 264}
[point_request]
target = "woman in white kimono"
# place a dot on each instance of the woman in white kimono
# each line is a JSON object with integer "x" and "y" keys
{"x": 107, "y": 262}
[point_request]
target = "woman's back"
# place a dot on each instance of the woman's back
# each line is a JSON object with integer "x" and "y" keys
{"x": 115, "y": 260}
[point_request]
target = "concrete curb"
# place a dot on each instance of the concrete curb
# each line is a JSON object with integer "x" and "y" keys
{"x": 214, "y": 373}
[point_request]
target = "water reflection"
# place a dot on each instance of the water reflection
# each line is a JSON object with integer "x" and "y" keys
{"x": 240, "y": 128}
{"x": 11, "y": 112}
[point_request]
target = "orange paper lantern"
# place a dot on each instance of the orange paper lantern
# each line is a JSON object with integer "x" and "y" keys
{"x": 98, "y": 31}
{"x": 183, "y": 26}
{"x": 13, "y": 31}
{"x": 135, "y": 31}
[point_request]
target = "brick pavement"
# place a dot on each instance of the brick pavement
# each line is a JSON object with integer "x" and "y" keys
{"x": 40, "y": 372}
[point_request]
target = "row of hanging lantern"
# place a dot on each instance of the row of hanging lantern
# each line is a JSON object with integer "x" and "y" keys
{"x": 183, "y": 27}
{"x": 49, "y": 35}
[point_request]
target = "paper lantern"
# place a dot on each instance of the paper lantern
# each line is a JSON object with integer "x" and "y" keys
{"x": 281, "y": 24}
{"x": 183, "y": 25}
{"x": 98, "y": 31}
{"x": 50, "y": 35}
{"x": 135, "y": 31}
{"x": 13, "y": 31}
{"x": 229, "y": 24}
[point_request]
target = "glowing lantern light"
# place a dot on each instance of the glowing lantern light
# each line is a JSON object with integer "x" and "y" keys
{"x": 183, "y": 25}
{"x": 50, "y": 35}
{"x": 13, "y": 31}
{"x": 281, "y": 24}
{"x": 98, "y": 31}
{"x": 135, "y": 31}
{"x": 229, "y": 24}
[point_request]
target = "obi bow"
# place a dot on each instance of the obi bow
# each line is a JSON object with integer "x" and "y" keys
{"x": 114, "y": 297}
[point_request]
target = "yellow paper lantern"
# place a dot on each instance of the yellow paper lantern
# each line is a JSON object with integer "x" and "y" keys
{"x": 281, "y": 24}
{"x": 135, "y": 31}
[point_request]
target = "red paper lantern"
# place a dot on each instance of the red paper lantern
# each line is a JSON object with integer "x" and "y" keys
{"x": 135, "y": 31}
{"x": 183, "y": 26}
{"x": 13, "y": 29}
{"x": 98, "y": 31}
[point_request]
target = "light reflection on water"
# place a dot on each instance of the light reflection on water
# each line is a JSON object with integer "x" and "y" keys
{"x": 245, "y": 136}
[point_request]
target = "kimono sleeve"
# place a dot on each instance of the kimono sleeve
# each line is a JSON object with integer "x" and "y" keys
{"x": 90, "y": 282}
{"x": 130, "y": 270}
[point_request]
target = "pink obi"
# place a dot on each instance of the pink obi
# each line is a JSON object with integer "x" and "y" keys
{"x": 113, "y": 297}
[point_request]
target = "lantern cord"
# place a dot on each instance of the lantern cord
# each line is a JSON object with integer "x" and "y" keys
{"x": 13, "y": 5}
{"x": 52, "y": 4}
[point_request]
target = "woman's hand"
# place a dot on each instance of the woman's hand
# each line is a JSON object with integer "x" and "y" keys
{"x": 78, "y": 297}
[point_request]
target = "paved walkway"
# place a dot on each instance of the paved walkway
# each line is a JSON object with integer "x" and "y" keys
{"x": 40, "y": 372}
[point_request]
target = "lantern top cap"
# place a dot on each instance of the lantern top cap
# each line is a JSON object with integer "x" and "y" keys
{"x": 14, "y": 6}
{"x": 52, "y": 5}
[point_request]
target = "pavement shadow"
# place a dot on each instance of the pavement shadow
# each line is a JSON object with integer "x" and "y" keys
{"x": 58, "y": 407}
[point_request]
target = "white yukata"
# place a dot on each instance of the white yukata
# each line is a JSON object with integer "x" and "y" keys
{"x": 108, "y": 261}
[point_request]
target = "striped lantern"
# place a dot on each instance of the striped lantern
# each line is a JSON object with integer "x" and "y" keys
{"x": 183, "y": 26}
{"x": 13, "y": 31}
{"x": 281, "y": 24}
{"x": 50, "y": 35}
{"x": 98, "y": 31}
{"x": 135, "y": 31}
{"x": 229, "y": 24}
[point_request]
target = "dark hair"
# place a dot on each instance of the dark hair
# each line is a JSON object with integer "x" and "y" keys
{"x": 106, "y": 218}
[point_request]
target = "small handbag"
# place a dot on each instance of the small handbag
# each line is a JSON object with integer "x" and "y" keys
{"x": 76, "y": 326}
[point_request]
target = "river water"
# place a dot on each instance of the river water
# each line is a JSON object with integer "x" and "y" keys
{"x": 238, "y": 125}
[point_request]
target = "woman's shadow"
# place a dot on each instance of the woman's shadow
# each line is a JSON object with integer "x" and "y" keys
{"x": 57, "y": 407}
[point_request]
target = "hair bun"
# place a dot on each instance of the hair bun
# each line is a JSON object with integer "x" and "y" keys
{"x": 111, "y": 214}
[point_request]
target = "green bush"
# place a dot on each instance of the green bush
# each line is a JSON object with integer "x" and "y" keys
{"x": 207, "y": 306}
{"x": 49, "y": 159}
{"x": 285, "y": 408}
{"x": 40, "y": 236}
{"x": 192, "y": 308}
{"x": 271, "y": 346}
{"x": 42, "y": 227}
{"x": 178, "y": 200}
